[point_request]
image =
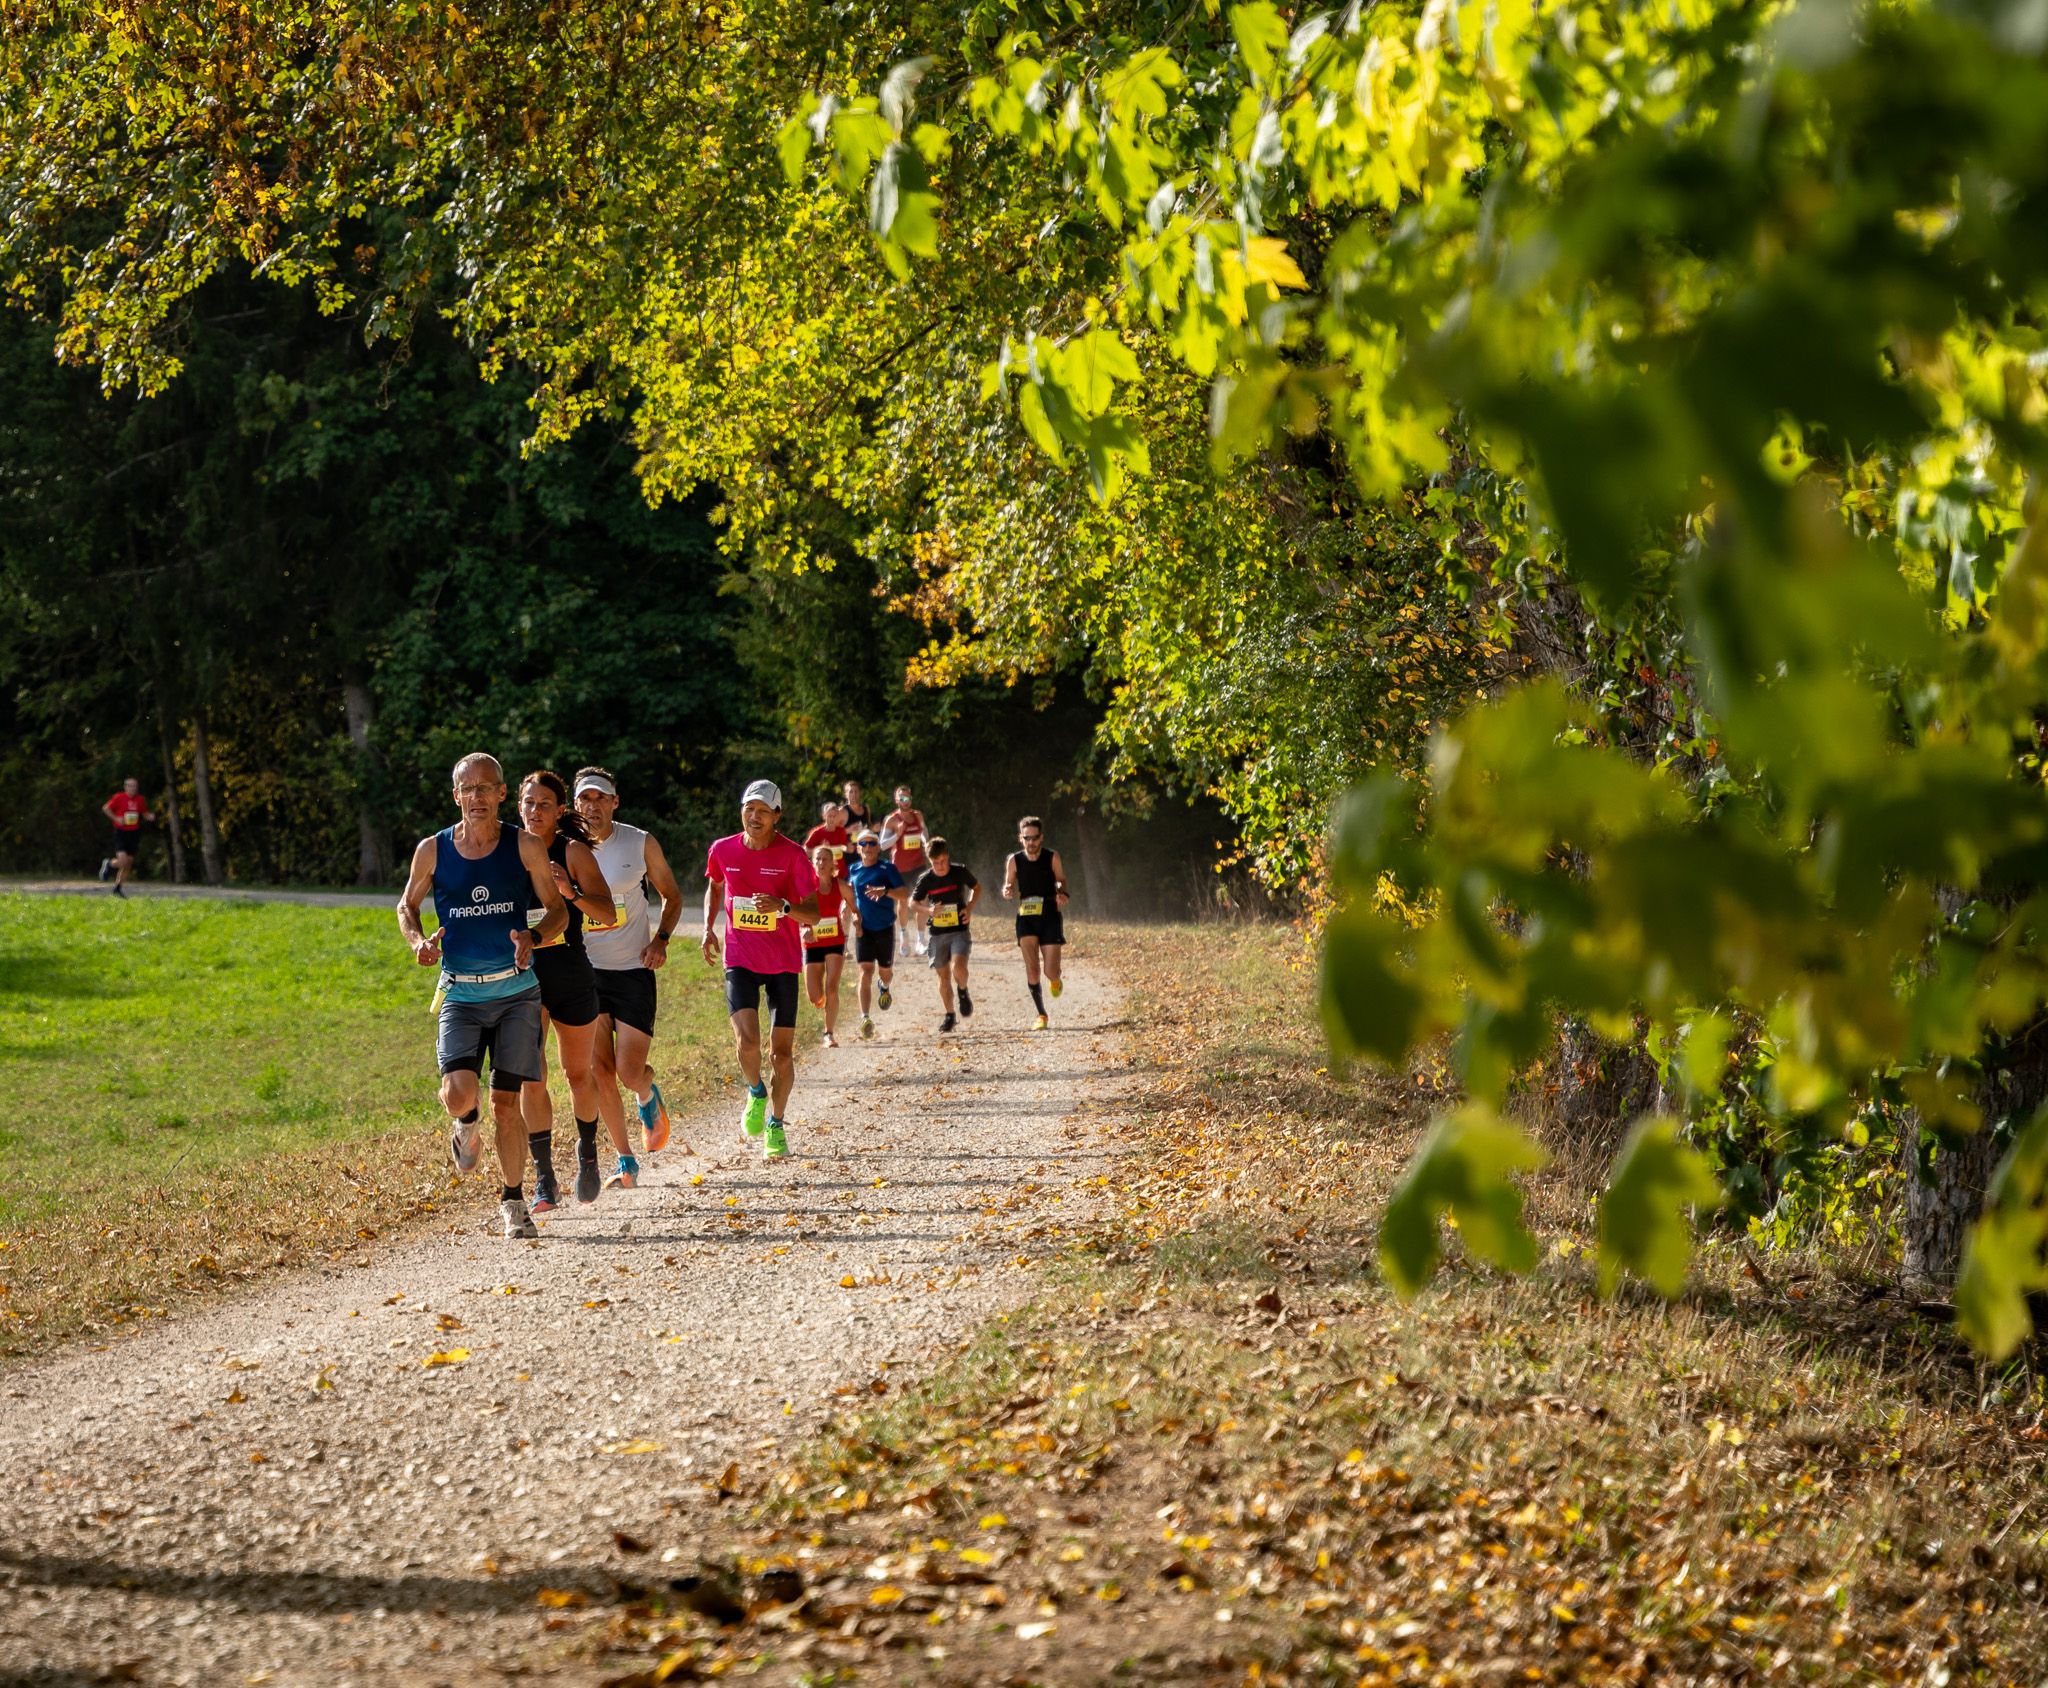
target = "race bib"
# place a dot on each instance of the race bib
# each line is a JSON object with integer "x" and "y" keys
{"x": 618, "y": 919}
{"x": 748, "y": 918}
{"x": 827, "y": 927}
{"x": 911, "y": 841}
{"x": 1031, "y": 905}
{"x": 534, "y": 916}
{"x": 837, "y": 849}
{"x": 944, "y": 917}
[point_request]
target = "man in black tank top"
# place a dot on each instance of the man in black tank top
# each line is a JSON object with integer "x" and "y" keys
{"x": 1036, "y": 881}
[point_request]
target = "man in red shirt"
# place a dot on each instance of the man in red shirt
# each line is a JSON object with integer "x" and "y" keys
{"x": 127, "y": 809}
{"x": 833, "y": 835}
{"x": 768, "y": 888}
{"x": 903, "y": 836}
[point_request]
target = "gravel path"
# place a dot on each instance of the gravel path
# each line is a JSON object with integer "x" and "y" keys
{"x": 285, "y": 1490}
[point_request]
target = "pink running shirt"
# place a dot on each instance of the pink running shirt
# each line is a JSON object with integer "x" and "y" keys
{"x": 781, "y": 870}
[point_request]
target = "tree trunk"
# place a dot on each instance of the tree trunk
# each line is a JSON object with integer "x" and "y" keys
{"x": 1945, "y": 1189}
{"x": 173, "y": 821}
{"x": 202, "y": 791}
{"x": 373, "y": 843}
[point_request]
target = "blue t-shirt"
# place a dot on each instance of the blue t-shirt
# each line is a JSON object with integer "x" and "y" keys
{"x": 481, "y": 902}
{"x": 877, "y": 914}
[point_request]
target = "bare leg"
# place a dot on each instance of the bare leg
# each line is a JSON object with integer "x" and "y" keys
{"x": 1052, "y": 961}
{"x": 835, "y": 965}
{"x": 867, "y": 990}
{"x": 611, "y": 1107}
{"x": 577, "y": 1046}
{"x": 458, "y": 1092}
{"x": 959, "y": 972}
{"x": 123, "y": 863}
{"x": 1030, "y": 948}
{"x": 945, "y": 975}
{"x": 511, "y": 1126}
{"x": 782, "y": 1041}
{"x": 536, "y": 1103}
{"x": 746, "y": 1037}
{"x": 814, "y": 983}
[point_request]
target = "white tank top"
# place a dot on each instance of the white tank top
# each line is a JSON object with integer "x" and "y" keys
{"x": 622, "y": 859}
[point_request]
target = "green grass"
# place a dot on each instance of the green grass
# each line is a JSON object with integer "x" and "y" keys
{"x": 258, "y": 1078}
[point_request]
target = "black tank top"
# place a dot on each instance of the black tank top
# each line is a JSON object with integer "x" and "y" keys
{"x": 1035, "y": 879}
{"x": 571, "y": 937}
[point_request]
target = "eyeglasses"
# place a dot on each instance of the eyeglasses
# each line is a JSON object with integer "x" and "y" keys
{"x": 1031, "y": 837}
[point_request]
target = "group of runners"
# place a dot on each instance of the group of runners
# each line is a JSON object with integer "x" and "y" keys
{"x": 564, "y": 920}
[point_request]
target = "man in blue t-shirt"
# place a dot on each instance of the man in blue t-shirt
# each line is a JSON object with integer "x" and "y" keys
{"x": 872, "y": 883}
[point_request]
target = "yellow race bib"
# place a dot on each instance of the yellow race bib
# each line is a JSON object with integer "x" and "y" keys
{"x": 618, "y": 919}
{"x": 944, "y": 917}
{"x": 751, "y": 919}
{"x": 822, "y": 929}
{"x": 1031, "y": 905}
{"x": 911, "y": 841}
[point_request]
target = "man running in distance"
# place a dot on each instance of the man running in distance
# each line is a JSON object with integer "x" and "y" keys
{"x": 832, "y": 833}
{"x": 873, "y": 884}
{"x": 946, "y": 895}
{"x": 127, "y": 809}
{"x": 856, "y": 806}
{"x": 903, "y": 842}
{"x": 767, "y": 886}
{"x": 482, "y": 875}
{"x": 624, "y": 954}
{"x": 1035, "y": 881}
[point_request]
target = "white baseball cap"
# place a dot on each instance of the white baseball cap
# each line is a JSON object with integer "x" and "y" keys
{"x": 763, "y": 791}
{"x": 596, "y": 782}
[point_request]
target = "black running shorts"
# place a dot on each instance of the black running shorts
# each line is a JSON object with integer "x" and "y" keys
{"x": 876, "y": 944}
{"x": 568, "y": 985}
{"x": 1047, "y": 928}
{"x": 127, "y": 841}
{"x": 744, "y": 989}
{"x": 627, "y": 995}
{"x": 812, "y": 957}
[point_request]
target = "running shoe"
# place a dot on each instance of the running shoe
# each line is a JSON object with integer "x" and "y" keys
{"x": 588, "y": 1183}
{"x": 1055, "y": 986}
{"x": 623, "y": 1179}
{"x": 774, "y": 1143}
{"x": 947, "y": 1023}
{"x": 517, "y": 1221}
{"x": 547, "y": 1195}
{"x": 966, "y": 1004}
{"x": 1039, "y": 1024}
{"x": 654, "y": 1120}
{"x": 831, "y": 1042}
{"x": 118, "y": 891}
{"x": 755, "y": 1118}
{"x": 867, "y": 1026}
{"x": 465, "y": 1143}
{"x": 884, "y": 999}
{"x": 106, "y": 871}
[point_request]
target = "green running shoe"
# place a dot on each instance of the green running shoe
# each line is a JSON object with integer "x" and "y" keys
{"x": 756, "y": 1117}
{"x": 774, "y": 1144}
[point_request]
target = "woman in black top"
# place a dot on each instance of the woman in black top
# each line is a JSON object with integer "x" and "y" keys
{"x": 568, "y": 989}
{"x": 1036, "y": 882}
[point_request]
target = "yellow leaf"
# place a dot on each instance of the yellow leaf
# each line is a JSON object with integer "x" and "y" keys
{"x": 561, "y": 1599}
{"x": 1031, "y": 1632}
{"x": 975, "y": 1556}
{"x": 672, "y": 1668}
{"x": 696, "y": 1178}
{"x": 993, "y": 1521}
{"x": 1563, "y": 1613}
{"x": 451, "y": 1357}
{"x": 1266, "y": 259}
{"x": 887, "y": 1595}
{"x": 448, "y": 1321}
{"x": 847, "y": 1281}
{"x": 637, "y": 1446}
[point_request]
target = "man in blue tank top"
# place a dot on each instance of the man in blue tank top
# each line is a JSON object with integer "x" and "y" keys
{"x": 482, "y": 876}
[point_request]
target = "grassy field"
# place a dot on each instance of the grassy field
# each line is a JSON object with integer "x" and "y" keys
{"x": 1219, "y": 1450}
{"x": 200, "y": 1090}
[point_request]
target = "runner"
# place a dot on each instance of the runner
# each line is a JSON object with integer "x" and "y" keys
{"x": 127, "y": 809}
{"x": 624, "y": 956}
{"x": 1036, "y": 882}
{"x": 568, "y": 987}
{"x": 825, "y": 940}
{"x": 903, "y": 837}
{"x": 946, "y": 895}
{"x": 873, "y": 884}
{"x": 767, "y": 887}
{"x": 832, "y": 833}
{"x": 856, "y": 804}
{"x": 482, "y": 875}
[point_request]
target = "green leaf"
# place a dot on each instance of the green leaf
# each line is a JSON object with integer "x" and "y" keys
{"x": 1370, "y": 1007}
{"x": 1464, "y": 1168}
{"x": 2003, "y": 1260}
{"x": 901, "y": 210}
{"x": 1031, "y": 412}
{"x": 1261, "y": 36}
{"x": 793, "y": 141}
{"x": 1644, "y": 1227}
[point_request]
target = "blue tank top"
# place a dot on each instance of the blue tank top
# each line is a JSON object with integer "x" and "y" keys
{"x": 481, "y": 902}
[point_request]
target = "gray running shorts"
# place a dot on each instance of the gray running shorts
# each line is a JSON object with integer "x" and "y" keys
{"x": 957, "y": 940}
{"x": 507, "y": 1031}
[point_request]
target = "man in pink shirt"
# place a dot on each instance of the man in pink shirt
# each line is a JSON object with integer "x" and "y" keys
{"x": 767, "y": 887}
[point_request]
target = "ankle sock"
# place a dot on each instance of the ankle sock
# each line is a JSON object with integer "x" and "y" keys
{"x": 513, "y": 1192}
{"x": 1037, "y": 994}
{"x": 541, "y": 1145}
{"x": 629, "y": 1163}
{"x": 757, "y": 1090}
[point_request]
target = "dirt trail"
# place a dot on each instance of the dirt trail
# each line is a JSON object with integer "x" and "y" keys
{"x": 282, "y": 1490}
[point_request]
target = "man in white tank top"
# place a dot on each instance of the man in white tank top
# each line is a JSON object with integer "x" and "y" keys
{"x": 624, "y": 957}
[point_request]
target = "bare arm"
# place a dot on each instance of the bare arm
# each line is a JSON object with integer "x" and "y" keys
{"x": 1059, "y": 881}
{"x": 671, "y": 895}
{"x": 714, "y": 897}
{"x": 973, "y": 897}
{"x": 596, "y": 906}
{"x": 419, "y": 885}
{"x": 1010, "y": 878}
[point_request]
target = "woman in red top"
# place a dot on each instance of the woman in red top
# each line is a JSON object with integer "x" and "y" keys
{"x": 825, "y": 942}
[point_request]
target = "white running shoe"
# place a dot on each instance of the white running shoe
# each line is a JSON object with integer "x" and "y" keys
{"x": 518, "y": 1222}
{"x": 465, "y": 1144}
